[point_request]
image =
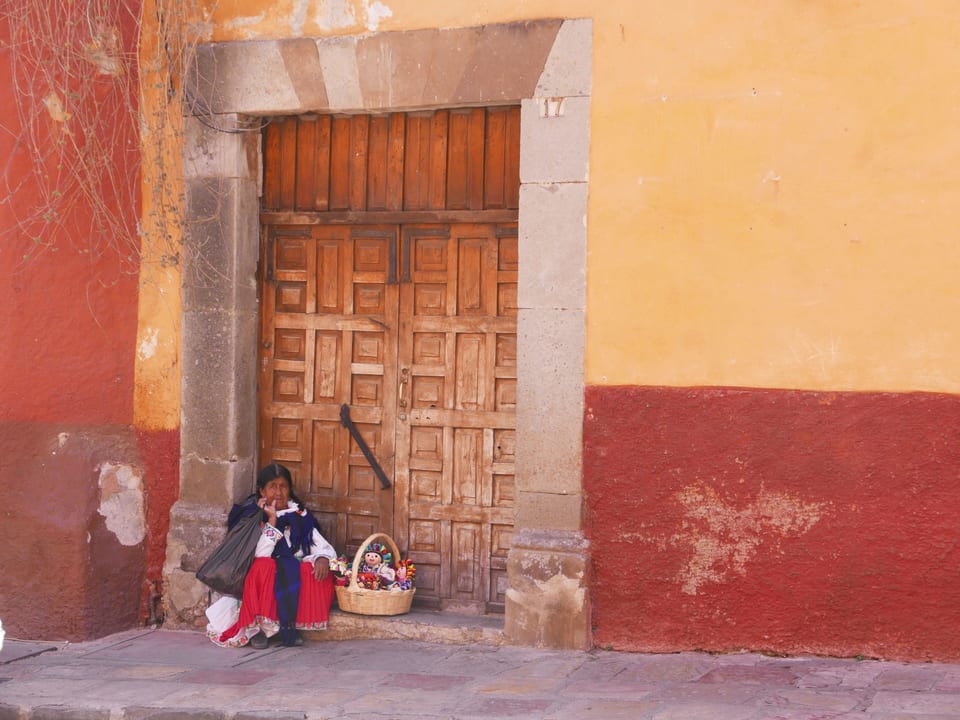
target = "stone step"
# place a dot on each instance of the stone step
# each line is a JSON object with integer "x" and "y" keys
{"x": 422, "y": 625}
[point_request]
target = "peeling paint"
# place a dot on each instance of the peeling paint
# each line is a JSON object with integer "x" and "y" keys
{"x": 336, "y": 15}
{"x": 724, "y": 538}
{"x": 376, "y": 12}
{"x": 148, "y": 345}
{"x": 121, "y": 503}
{"x": 104, "y": 51}
{"x": 299, "y": 17}
{"x": 555, "y": 592}
{"x": 247, "y": 23}
{"x": 57, "y": 112}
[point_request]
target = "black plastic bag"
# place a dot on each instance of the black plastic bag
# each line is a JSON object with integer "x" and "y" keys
{"x": 227, "y": 566}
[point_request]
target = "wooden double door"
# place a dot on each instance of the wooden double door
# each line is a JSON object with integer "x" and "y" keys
{"x": 413, "y": 328}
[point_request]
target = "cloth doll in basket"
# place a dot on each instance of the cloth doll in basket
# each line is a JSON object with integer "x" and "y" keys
{"x": 376, "y": 570}
{"x": 406, "y": 571}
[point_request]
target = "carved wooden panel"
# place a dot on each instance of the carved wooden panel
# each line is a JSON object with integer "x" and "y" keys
{"x": 463, "y": 159}
{"x": 455, "y": 441}
{"x": 328, "y": 323}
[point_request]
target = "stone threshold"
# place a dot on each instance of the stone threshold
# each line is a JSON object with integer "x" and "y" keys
{"x": 423, "y": 625}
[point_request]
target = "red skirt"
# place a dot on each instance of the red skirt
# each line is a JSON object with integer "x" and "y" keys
{"x": 258, "y": 607}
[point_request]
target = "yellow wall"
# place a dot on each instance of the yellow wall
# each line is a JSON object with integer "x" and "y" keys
{"x": 773, "y": 185}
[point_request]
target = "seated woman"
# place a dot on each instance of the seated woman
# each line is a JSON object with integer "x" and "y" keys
{"x": 289, "y": 586}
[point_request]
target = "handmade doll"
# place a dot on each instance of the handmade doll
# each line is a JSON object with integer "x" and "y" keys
{"x": 341, "y": 571}
{"x": 405, "y": 574}
{"x": 375, "y": 570}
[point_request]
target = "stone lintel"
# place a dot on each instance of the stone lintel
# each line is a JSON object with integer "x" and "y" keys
{"x": 482, "y": 65}
{"x": 569, "y": 67}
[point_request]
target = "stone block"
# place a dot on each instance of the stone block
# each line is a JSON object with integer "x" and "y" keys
{"x": 221, "y": 246}
{"x": 553, "y": 246}
{"x": 243, "y": 77}
{"x": 185, "y": 598}
{"x": 301, "y": 60}
{"x": 209, "y": 152}
{"x": 554, "y": 140}
{"x": 548, "y": 602}
{"x": 550, "y": 391}
{"x": 340, "y": 73}
{"x": 488, "y": 65}
{"x": 549, "y": 511}
{"x": 195, "y": 530}
{"x": 569, "y": 67}
{"x": 507, "y": 61}
{"x": 216, "y": 483}
{"x": 412, "y": 69}
{"x": 218, "y": 380}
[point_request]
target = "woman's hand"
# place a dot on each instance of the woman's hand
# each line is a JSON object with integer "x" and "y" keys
{"x": 270, "y": 510}
{"x": 321, "y": 568}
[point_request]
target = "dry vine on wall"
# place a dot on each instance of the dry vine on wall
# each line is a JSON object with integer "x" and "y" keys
{"x": 71, "y": 175}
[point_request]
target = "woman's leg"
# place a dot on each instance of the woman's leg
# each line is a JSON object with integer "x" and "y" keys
{"x": 258, "y": 607}
{"x": 316, "y": 597}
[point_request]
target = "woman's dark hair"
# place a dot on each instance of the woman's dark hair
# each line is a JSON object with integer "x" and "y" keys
{"x": 272, "y": 472}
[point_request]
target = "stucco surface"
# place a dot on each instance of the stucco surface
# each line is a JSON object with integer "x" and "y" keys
{"x": 69, "y": 337}
{"x": 75, "y": 569}
{"x": 792, "y": 522}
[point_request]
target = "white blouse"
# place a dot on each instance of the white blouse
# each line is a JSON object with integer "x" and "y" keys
{"x": 270, "y": 535}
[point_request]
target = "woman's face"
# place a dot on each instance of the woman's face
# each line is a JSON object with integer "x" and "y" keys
{"x": 277, "y": 491}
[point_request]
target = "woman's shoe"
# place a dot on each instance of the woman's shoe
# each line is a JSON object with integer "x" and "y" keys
{"x": 298, "y": 640}
{"x": 259, "y": 641}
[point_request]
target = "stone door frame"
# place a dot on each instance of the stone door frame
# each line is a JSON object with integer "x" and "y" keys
{"x": 545, "y": 66}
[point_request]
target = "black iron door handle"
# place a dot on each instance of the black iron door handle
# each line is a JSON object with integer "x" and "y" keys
{"x": 364, "y": 448}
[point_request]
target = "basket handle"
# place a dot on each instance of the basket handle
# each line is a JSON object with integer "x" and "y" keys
{"x": 363, "y": 546}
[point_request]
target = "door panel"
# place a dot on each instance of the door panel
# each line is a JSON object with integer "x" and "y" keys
{"x": 455, "y": 436}
{"x": 415, "y": 329}
{"x": 328, "y": 337}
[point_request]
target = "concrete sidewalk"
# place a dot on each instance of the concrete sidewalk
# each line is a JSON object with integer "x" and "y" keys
{"x": 180, "y": 675}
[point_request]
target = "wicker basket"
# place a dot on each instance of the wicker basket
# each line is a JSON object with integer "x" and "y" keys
{"x": 354, "y": 599}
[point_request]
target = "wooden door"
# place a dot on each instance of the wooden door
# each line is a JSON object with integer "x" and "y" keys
{"x": 414, "y": 328}
{"x": 388, "y": 284}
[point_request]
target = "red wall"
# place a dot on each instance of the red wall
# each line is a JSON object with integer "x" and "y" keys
{"x": 68, "y": 318}
{"x": 782, "y": 521}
